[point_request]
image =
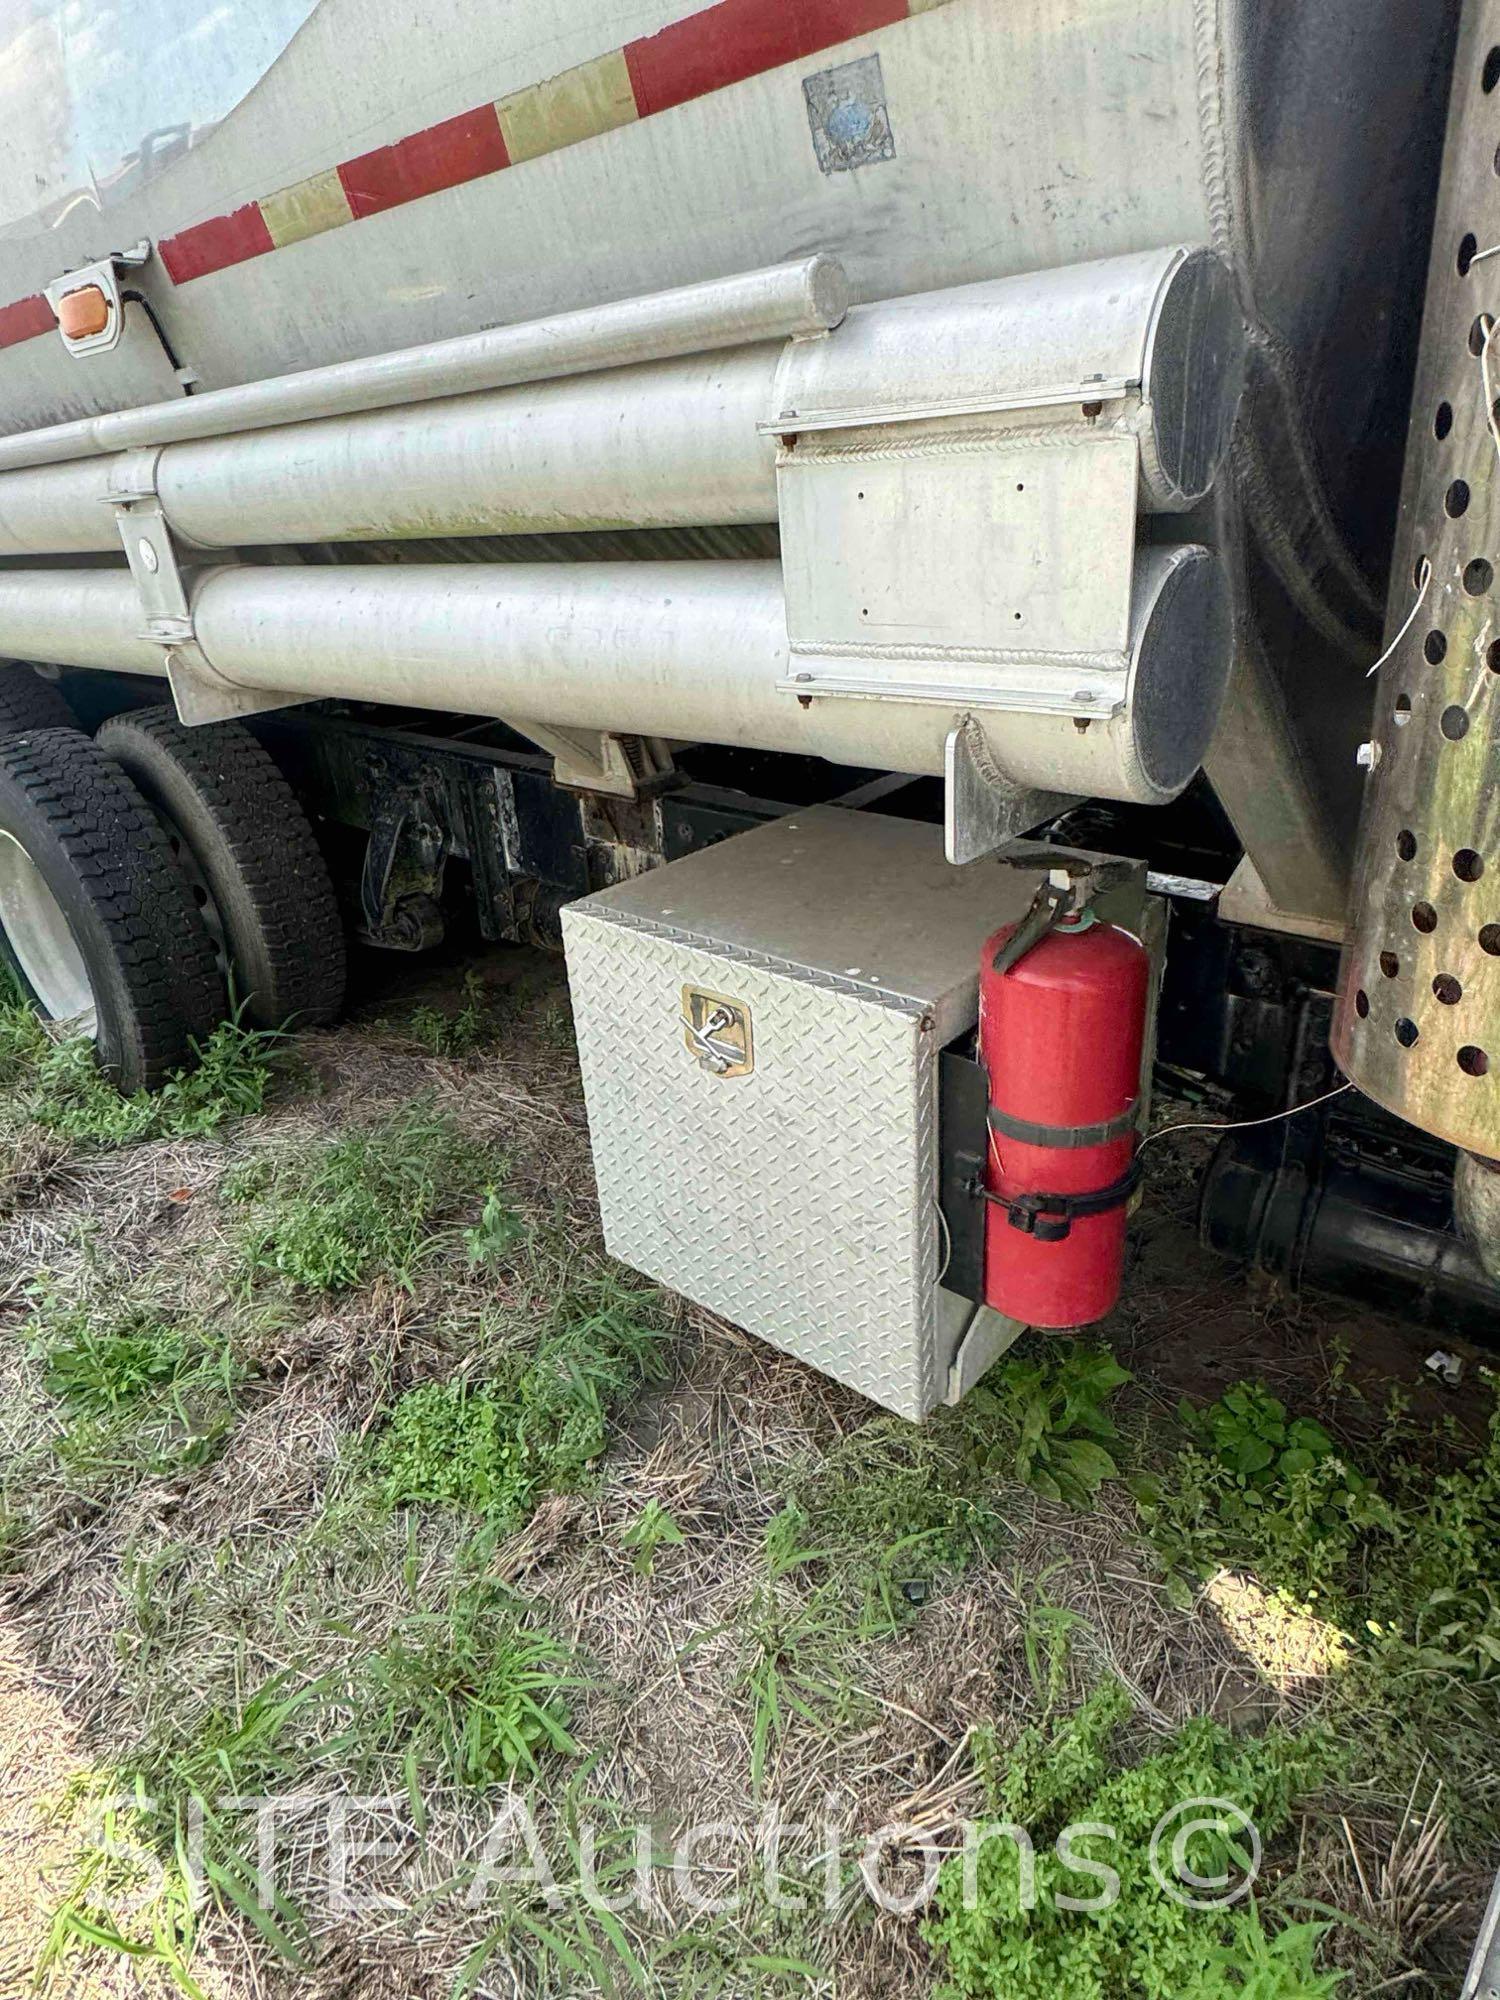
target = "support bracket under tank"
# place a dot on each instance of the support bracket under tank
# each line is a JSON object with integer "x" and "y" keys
{"x": 200, "y": 692}
{"x": 982, "y": 807}
{"x": 598, "y": 760}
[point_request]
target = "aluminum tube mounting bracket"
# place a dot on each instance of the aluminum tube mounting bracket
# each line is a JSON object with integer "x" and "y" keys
{"x": 597, "y": 760}
{"x": 983, "y": 809}
{"x": 200, "y": 692}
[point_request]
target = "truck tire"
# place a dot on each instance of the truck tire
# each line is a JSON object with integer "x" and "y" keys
{"x": 96, "y": 918}
{"x": 250, "y": 857}
{"x": 29, "y": 702}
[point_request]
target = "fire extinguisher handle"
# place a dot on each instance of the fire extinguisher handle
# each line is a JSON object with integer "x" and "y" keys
{"x": 1052, "y": 902}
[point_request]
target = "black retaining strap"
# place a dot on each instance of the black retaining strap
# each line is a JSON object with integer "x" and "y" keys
{"x": 1066, "y": 1138}
{"x": 1050, "y": 1217}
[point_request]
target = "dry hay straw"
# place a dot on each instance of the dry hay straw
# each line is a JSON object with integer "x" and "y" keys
{"x": 665, "y": 1710}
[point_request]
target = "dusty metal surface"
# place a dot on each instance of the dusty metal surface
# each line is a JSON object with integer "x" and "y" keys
{"x": 1418, "y": 1022}
{"x": 955, "y": 143}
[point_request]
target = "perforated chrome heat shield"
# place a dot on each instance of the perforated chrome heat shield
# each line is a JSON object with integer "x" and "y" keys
{"x": 1418, "y": 1019}
{"x": 759, "y": 1027}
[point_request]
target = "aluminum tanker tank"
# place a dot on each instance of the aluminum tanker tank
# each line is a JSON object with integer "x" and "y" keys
{"x": 319, "y": 183}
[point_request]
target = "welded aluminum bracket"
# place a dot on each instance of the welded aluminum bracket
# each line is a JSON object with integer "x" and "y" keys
{"x": 1245, "y": 899}
{"x": 596, "y": 760}
{"x": 988, "y": 1335}
{"x": 983, "y": 809}
{"x": 200, "y": 692}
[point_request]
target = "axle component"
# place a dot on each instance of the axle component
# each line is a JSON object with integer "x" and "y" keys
{"x": 1367, "y": 1212}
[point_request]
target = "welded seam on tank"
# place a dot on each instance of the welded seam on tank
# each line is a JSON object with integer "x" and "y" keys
{"x": 979, "y": 656}
{"x": 810, "y": 448}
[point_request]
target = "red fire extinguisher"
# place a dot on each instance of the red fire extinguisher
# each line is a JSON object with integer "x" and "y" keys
{"x": 1062, "y": 1019}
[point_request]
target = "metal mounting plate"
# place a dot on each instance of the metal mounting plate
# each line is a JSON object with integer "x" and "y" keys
{"x": 200, "y": 692}
{"x": 982, "y": 808}
{"x": 987, "y": 566}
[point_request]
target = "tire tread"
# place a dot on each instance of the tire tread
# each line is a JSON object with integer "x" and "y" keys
{"x": 272, "y": 848}
{"x": 120, "y": 854}
{"x": 28, "y": 702}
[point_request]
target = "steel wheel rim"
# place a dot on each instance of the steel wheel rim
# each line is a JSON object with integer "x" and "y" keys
{"x": 42, "y": 942}
{"x": 197, "y": 881}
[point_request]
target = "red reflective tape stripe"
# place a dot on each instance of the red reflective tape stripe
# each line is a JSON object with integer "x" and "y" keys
{"x": 707, "y": 51}
{"x": 459, "y": 149}
{"x": 722, "y": 45}
{"x": 25, "y": 320}
{"x": 742, "y": 38}
{"x": 215, "y": 244}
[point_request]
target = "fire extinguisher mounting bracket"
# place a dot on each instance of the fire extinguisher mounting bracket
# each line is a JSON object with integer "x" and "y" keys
{"x": 1050, "y": 1217}
{"x": 1072, "y": 882}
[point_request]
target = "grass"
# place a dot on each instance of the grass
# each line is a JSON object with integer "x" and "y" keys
{"x": 458, "y": 1032}
{"x": 652, "y": 1529}
{"x": 903, "y": 1504}
{"x": 475, "y": 1691}
{"x": 797, "y": 1635}
{"x": 12, "y": 1537}
{"x": 141, "y": 1390}
{"x": 364, "y": 1206}
{"x": 538, "y": 1422}
{"x": 96, "y": 1368}
{"x": 1395, "y": 1554}
{"x": 123, "y": 1899}
{"x": 497, "y": 1231}
{"x": 378, "y": 1585}
{"x": 1401, "y": 1560}
{"x": 1067, "y": 1773}
{"x": 56, "y": 1083}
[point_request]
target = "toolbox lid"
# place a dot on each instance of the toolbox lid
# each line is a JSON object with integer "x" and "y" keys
{"x": 852, "y": 897}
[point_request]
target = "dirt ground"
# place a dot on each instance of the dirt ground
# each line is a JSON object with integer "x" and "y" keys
{"x": 140, "y": 1596}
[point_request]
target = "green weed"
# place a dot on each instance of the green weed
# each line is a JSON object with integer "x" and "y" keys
{"x": 96, "y": 1368}
{"x": 59, "y": 1086}
{"x": 653, "y": 1528}
{"x": 1051, "y": 1417}
{"x": 908, "y": 1497}
{"x": 496, "y": 1233}
{"x": 1262, "y": 1490}
{"x": 796, "y": 1633}
{"x": 123, "y": 1898}
{"x": 143, "y": 1393}
{"x": 561, "y": 1937}
{"x": 1403, "y": 1562}
{"x": 1401, "y": 1565}
{"x": 1068, "y": 1774}
{"x": 365, "y": 1206}
{"x": 1255, "y": 1966}
{"x": 895, "y": 1502}
{"x": 555, "y": 1025}
{"x": 458, "y": 1033}
{"x": 476, "y": 1691}
{"x": 24, "y": 1042}
{"x": 539, "y": 1422}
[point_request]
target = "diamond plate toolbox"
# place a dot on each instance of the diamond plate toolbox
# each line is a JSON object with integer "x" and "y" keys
{"x": 759, "y": 1027}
